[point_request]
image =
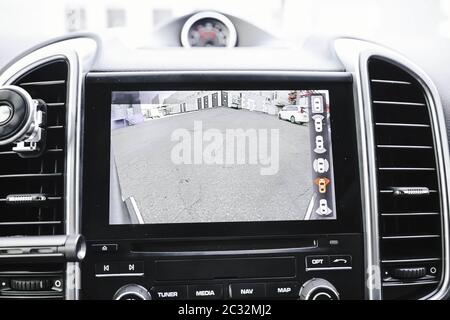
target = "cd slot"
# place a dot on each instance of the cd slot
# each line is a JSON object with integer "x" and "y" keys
{"x": 222, "y": 247}
{"x": 208, "y": 269}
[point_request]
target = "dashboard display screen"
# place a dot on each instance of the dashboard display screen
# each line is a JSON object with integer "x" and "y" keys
{"x": 221, "y": 156}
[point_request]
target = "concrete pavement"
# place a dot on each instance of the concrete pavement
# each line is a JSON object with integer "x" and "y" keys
{"x": 169, "y": 193}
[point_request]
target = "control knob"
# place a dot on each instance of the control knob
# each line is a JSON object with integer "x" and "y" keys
{"x": 132, "y": 292}
{"x": 318, "y": 289}
{"x": 410, "y": 273}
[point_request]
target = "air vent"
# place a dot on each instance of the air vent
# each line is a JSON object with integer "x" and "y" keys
{"x": 32, "y": 189}
{"x": 409, "y": 198}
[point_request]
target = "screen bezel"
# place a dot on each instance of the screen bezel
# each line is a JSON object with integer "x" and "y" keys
{"x": 97, "y": 139}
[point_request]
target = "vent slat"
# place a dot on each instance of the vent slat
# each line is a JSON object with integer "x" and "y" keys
{"x": 393, "y": 124}
{"x": 400, "y": 103}
{"x": 15, "y": 154}
{"x": 412, "y": 237}
{"x": 390, "y": 81}
{"x": 42, "y": 83}
{"x": 387, "y": 146}
{"x": 411, "y": 260}
{"x": 409, "y": 223}
{"x": 392, "y": 191}
{"x": 406, "y": 169}
{"x": 410, "y": 214}
{"x": 55, "y": 104}
{"x": 31, "y": 175}
{"x": 49, "y": 198}
{"x": 29, "y": 223}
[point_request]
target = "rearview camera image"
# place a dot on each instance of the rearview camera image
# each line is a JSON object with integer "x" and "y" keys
{"x": 220, "y": 156}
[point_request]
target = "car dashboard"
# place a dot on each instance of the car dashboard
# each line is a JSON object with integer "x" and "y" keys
{"x": 98, "y": 201}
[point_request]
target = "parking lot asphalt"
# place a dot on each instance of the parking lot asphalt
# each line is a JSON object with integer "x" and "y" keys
{"x": 166, "y": 192}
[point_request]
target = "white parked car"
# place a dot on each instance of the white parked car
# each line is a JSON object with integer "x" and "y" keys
{"x": 294, "y": 113}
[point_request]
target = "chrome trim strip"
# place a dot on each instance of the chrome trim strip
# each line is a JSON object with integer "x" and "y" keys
{"x": 328, "y": 268}
{"x": 79, "y": 53}
{"x": 119, "y": 275}
{"x": 349, "y": 51}
{"x": 255, "y": 75}
{"x": 410, "y": 260}
{"x": 355, "y": 54}
{"x": 404, "y": 284}
{"x": 227, "y": 252}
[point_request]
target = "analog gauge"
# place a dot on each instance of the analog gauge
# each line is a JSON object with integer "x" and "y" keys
{"x": 208, "y": 29}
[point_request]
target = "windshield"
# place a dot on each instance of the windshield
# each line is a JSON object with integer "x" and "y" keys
{"x": 25, "y": 23}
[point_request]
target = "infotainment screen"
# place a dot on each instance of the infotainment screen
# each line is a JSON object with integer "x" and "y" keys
{"x": 221, "y": 156}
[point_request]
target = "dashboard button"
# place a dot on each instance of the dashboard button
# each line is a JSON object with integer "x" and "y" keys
{"x": 247, "y": 290}
{"x": 340, "y": 261}
{"x": 433, "y": 270}
{"x": 105, "y": 248}
{"x": 103, "y": 269}
{"x": 313, "y": 262}
{"x": 205, "y": 291}
{"x": 132, "y": 267}
{"x": 169, "y": 292}
{"x": 282, "y": 290}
